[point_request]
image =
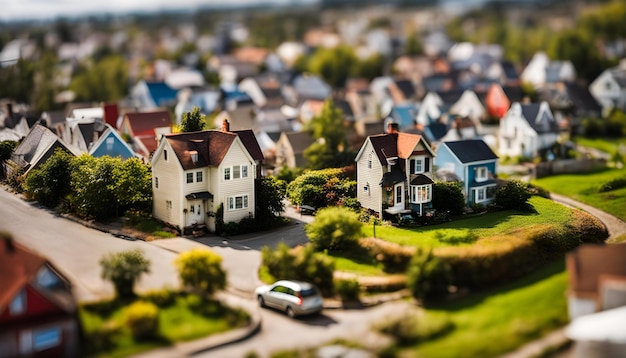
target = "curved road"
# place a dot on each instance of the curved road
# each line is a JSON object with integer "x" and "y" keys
{"x": 614, "y": 225}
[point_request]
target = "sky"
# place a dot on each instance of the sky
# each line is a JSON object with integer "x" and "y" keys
{"x": 49, "y": 9}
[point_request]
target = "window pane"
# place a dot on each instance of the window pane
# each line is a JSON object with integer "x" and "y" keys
{"x": 244, "y": 171}
{"x": 231, "y": 203}
{"x": 226, "y": 173}
{"x": 199, "y": 177}
{"x": 189, "y": 178}
{"x": 238, "y": 202}
{"x": 236, "y": 172}
{"x": 245, "y": 201}
{"x": 46, "y": 339}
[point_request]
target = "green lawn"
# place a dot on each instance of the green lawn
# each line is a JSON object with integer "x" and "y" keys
{"x": 188, "y": 318}
{"x": 502, "y": 319}
{"x": 465, "y": 232}
{"x": 584, "y": 188}
{"x": 606, "y": 145}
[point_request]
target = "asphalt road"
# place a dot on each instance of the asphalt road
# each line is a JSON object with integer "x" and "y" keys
{"x": 76, "y": 250}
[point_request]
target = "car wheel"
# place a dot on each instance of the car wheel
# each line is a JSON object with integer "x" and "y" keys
{"x": 261, "y": 301}
{"x": 290, "y": 312}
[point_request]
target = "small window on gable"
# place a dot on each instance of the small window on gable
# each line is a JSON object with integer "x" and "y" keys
{"x": 165, "y": 154}
{"x": 47, "y": 278}
{"x": 156, "y": 182}
{"x": 18, "y": 304}
{"x": 109, "y": 143}
{"x": 226, "y": 173}
{"x": 369, "y": 161}
{"x": 236, "y": 172}
{"x": 189, "y": 178}
{"x": 244, "y": 171}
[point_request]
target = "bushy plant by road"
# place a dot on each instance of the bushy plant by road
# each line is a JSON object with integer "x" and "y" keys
{"x": 143, "y": 320}
{"x": 123, "y": 269}
{"x": 334, "y": 228}
{"x": 428, "y": 276}
{"x": 201, "y": 270}
{"x": 513, "y": 195}
{"x": 50, "y": 183}
{"x": 321, "y": 188}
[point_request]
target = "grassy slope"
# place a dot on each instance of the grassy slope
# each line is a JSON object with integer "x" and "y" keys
{"x": 490, "y": 224}
{"x": 501, "y": 319}
{"x": 584, "y": 188}
{"x": 605, "y": 145}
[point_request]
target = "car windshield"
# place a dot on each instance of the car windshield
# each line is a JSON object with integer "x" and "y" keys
{"x": 308, "y": 292}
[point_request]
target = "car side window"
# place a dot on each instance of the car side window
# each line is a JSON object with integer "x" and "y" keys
{"x": 281, "y": 289}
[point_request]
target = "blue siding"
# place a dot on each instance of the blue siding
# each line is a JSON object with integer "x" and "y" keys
{"x": 118, "y": 149}
{"x": 444, "y": 156}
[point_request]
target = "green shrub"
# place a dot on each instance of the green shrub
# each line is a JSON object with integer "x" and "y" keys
{"x": 394, "y": 257}
{"x": 302, "y": 263}
{"x": 103, "y": 337}
{"x": 334, "y": 228}
{"x": 410, "y": 329}
{"x": 538, "y": 191}
{"x": 123, "y": 269}
{"x": 162, "y": 298}
{"x": 428, "y": 276}
{"x": 513, "y": 195}
{"x": 614, "y": 184}
{"x": 348, "y": 290}
{"x": 586, "y": 228}
{"x": 456, "y": 237}
{"x": 142, "y": 318}
{"x": 201, "y": 270}
{"x": 448, "y": 196}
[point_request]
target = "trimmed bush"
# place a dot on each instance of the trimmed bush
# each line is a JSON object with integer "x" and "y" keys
{"x": 587, "y": 228}
{"x": 103, "y": 337}
{"x": 614, "y": 184}
{"x": 162, "y": 298}
{"x": 513, "y": 195}
{"x": 334, "y": 228}
{"x": 428, "y": 276}
{"x": 394, "y": 257}
{"x": 142, "y": 318}
{"x": 448, "y": 196}
{"x": 201, "y": 270}
{"x": 348, "y": 290}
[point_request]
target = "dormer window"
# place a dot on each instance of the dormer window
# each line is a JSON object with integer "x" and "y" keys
{"x": 194, "y": 156}
{"x": 18, "y": 304}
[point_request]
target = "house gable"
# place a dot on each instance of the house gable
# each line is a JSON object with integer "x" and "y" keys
{"x": 110, "y": 143}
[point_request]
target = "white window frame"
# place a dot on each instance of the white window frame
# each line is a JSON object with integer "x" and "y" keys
{"x": 421, "y": 193}
{"x": 369, "y": 161}
{"x": 227, "y": 175}
{"x": 236, "y": 172}
{"x": 482, "y": 174}
{"x": 189, "y": 178}
{"x": 231, "y": 202}
{"x": 484, "y": 190}
{"x": 199, "y": 177}
{"x": 420, "y": 165}
{"x": 244, "y": 171}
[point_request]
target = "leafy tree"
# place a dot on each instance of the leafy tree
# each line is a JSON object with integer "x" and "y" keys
{"x": 334, "y": 65}
{"x": 413, "y": 46}
{"x": 44, "y": 85}
{"x": 428, "y": 276}
{"x": 329, "y": 131}
{"x": 370, "y": 67}
{"x": 105, "y": 80}
{"x": 193, "y": 121}
{"x": 21, "y": 76}
{"x": 50, "y": 183}
{"x": 133, "y": 185}
{"x": 123, "y": 269}
{"x": 448, "y": 196}
{"x": 288, "y": 175}
{"x": 201, "y": 269}
{"x": 270, "y": 193}
{"x": 580, "y": 48}
{"x": 513, "y": 195}
{"x": 93, "y": 184}
{"x": 334, "y": 228}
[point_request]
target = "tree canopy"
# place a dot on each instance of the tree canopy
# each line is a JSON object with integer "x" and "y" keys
{"x": 330, "y": 148}
{"x": 193, "y": 121}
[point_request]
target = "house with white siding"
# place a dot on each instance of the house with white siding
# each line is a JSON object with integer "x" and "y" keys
{"x": 527, "y": 129}
{"x": 194, "y": 173}
{"x": 394, "y": 173}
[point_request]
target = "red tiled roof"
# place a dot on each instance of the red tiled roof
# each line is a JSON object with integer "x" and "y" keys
{"x": 394, "y": 145}
{"x": 18, "y": 266}
{"x": 144, "y": 123}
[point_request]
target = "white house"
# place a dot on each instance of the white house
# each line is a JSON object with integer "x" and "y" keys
{"x": 526, "y": 129}
{"x": 194, "y": 173}
{"x": 609, "y": 88}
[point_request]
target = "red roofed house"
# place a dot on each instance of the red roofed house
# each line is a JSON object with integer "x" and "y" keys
{"x": 37, "y": 309}
{"x": 145, "y": 128}
{"x": 394, "y": 173}
{"x": 193, "y": 173}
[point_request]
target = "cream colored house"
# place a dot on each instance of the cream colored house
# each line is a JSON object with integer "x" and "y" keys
{"x": 394, "y": 174}
{"x": 193, "y": 173}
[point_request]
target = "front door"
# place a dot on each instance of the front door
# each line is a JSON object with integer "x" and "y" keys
{"x": 195, "y": 213}
{"x": 398, "y": 196}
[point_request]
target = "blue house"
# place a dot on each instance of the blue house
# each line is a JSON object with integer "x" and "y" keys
{"x": 110, "y": 143}
{"x": 473, "y": 163}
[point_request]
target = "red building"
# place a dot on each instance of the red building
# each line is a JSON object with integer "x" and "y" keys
{"x": 37, "y": 309}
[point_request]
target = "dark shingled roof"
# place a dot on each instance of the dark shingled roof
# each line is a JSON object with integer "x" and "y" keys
{"x": 252, "y": 145}
{"x": 530, "y": 111}
{"x": 143, "y": 123}
{"x": 299, "y": 141}
{"x": 473, "y": 150}
{"x": 211, "y": 146}
{"x": 396, "y": 175}
{"x": 421, "y": 179}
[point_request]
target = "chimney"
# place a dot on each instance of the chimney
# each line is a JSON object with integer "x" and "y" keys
{"x": 392, "y": 128}
{"x": 225, "y": 125}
